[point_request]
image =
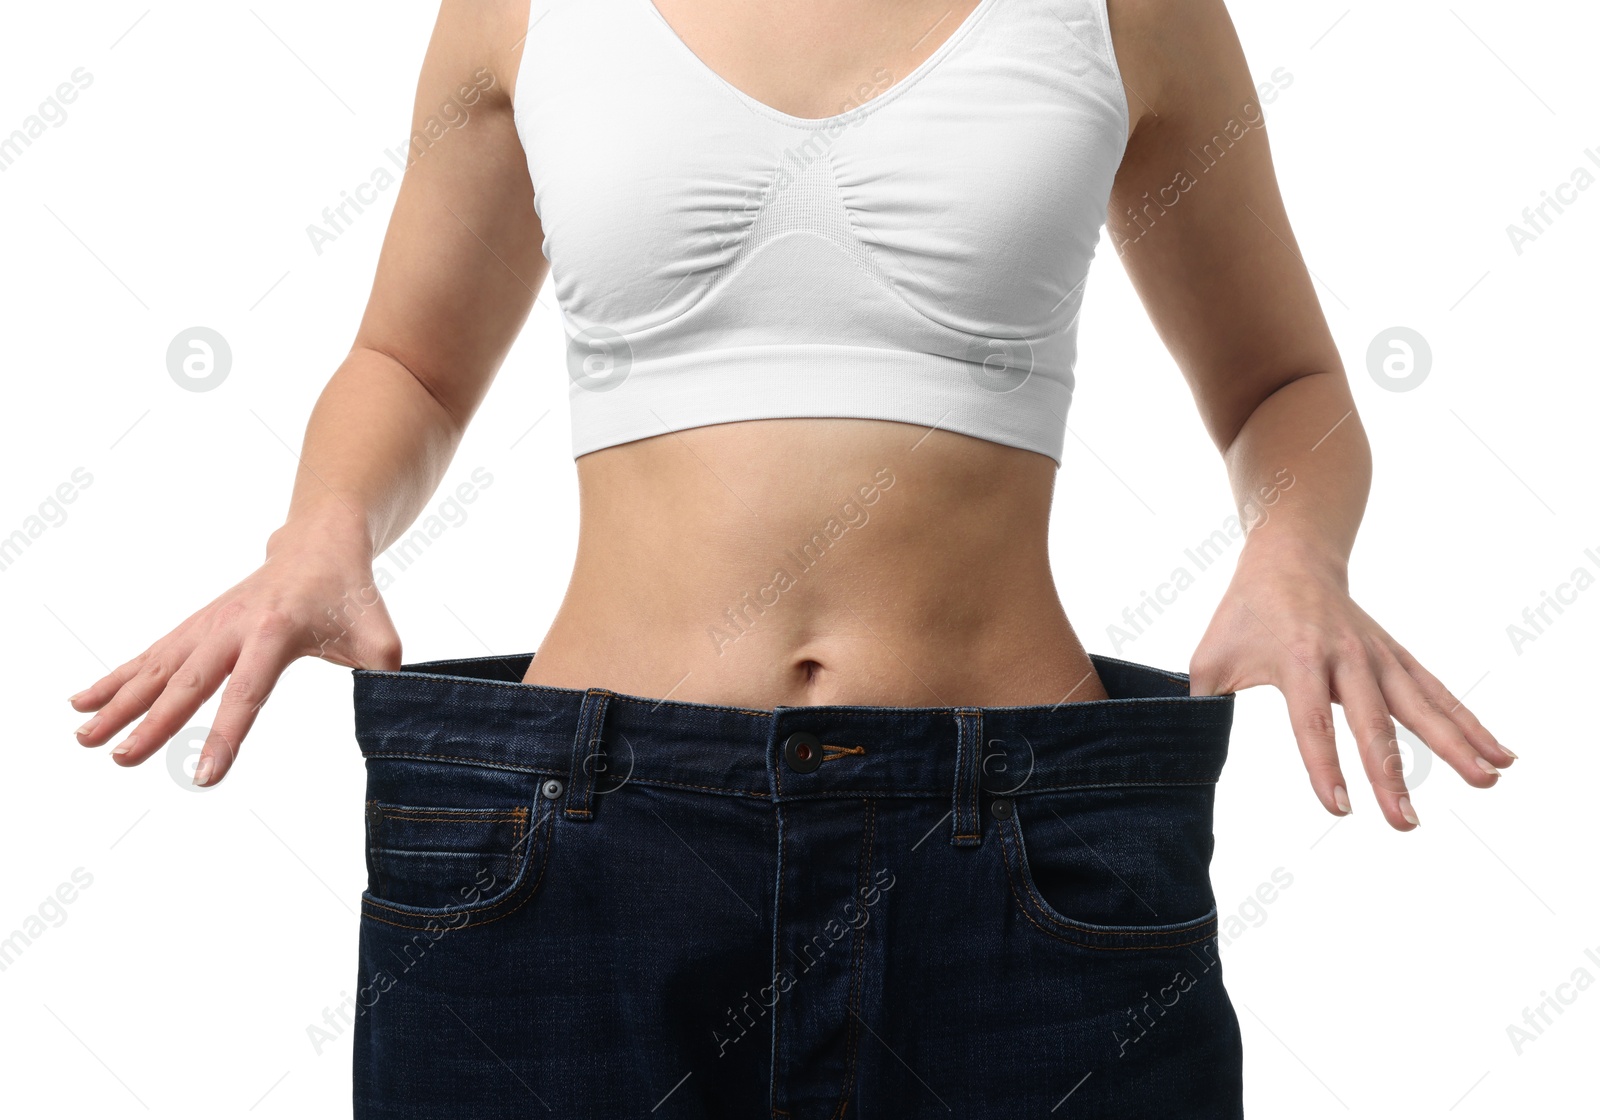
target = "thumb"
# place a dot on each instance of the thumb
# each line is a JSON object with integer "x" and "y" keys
{"x": 1208, "y": 672}
{"x": 368, "y": 641}
{"x": 1220, "y": 666}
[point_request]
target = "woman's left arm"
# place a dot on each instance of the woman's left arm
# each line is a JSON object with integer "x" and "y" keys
{"x": 1198, "y": 220}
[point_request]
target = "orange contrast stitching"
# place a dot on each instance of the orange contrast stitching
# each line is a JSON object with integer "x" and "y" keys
{"x": 459, "y": 818}
{"x": 544, "y": 864}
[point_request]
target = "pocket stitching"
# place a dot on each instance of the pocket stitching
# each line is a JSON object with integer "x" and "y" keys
{"x": 1010, "y": 834}
{"x": 445, "y": 916}
{"x": 1059, "y": 918}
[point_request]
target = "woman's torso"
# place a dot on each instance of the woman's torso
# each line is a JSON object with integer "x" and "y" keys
{"x": 815, "y": 560}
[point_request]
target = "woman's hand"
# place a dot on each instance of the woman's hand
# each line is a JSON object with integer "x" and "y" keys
{"x": 314, "y": 597}
{"x": 1288, "y": 620}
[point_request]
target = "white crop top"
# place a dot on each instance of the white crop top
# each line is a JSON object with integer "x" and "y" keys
{"x": 920, "y": 256}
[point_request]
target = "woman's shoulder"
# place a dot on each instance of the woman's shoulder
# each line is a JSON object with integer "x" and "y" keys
{"x": 1164, "y": 47}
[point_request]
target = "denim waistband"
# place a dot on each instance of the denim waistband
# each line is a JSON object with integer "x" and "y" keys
{"x": 476, "y": 710}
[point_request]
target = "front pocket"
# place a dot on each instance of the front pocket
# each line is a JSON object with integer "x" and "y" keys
{"x": 1125, "y": 867}
{"x": 429, "y": 865}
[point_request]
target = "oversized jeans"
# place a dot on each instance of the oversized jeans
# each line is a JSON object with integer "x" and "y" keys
{"x": 588, "y": 904}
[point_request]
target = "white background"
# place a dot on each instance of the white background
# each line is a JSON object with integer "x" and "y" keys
{"x": 219, "y": 925}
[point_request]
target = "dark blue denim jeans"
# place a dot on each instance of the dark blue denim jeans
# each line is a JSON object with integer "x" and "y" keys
{"x": 587, "y": 904}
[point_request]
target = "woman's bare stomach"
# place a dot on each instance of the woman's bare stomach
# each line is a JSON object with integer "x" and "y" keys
{"x": 816, "y": 561}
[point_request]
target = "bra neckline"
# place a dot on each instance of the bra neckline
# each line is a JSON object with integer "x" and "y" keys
{"x": 918, "y": 72}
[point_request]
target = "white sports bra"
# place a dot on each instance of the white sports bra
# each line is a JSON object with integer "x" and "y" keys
{"x": 919, "y": 256}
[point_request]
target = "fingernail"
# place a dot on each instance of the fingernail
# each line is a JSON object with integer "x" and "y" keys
{"x": 1341, "y": 799}
{"x": 202, "y": 773}
{"x": 1407, "y": 811}
{"x": 1508, "y": 751}
{"x": 1487, "y": 767}
{"x": 125, "y": 746}
{"x": 88, "y": 728}
{"x": 73, "y": 699}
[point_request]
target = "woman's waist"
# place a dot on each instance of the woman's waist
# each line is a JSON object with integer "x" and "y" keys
{"x": 812, "y": 561}
{"x": 844, "y": 641}
{"x": 468, "y": 712}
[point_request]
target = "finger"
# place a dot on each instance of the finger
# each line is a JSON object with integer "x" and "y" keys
{"x": 188, "y": 687}
{"x": 95, "y": 696}
{"x": 1482, "y": 740}
{"x": 254, "y": 676}
{"x": 1311, "y": 716}
{"x": 1356, "y": 688}
{"x": 140, "y": 688}
{"x": 1414, "y": 708}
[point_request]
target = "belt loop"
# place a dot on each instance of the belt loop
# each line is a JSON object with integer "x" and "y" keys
{"x": 586, "y": 751}
{"x": 967, "y": 831}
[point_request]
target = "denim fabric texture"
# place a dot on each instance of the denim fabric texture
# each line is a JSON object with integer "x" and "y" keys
{"x": 583, "y": 904}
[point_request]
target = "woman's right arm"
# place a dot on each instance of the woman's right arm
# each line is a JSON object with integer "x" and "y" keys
{"x": 460, "y": 266}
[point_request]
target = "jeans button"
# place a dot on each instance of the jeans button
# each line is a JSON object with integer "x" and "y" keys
{"x": 803, "y": 752}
